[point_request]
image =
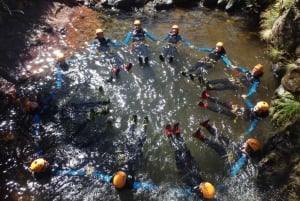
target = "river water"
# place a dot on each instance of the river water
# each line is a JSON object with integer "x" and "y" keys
{"x": 158, "y": 91}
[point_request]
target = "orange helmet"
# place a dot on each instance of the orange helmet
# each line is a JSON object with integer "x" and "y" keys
{"x": 175, "y": 26}
{"x": 119, "y": 179}
{"x": 207, "y": 189}
{"x": 259, "y": 67}
{"x": 137, "y": 22}
{"x": 39, "y": 165}
{"x": 261, "y": 106}
{"x": 60, "y": 56}
{"x": 219, "y": 44}
{"x": 253, "y": 144}
{"x": 99, "y": 31}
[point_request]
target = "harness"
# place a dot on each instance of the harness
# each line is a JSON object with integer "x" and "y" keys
{"x": 215, "y": 55}
{"x": 138, "y": 35}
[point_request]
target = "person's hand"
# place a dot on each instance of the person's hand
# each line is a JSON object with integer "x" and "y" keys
{"x": 192, "y": 46}
{"x": 233, "y": 66}
{"x": 244, "y": 96}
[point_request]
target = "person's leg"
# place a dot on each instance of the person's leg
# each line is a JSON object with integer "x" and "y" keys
{"x": 215, "y": 107}
{"x": 172, "y": 53}
{"x": 214, "y": 132}
{"x": 220, "y": 84}
{"x": 168, "y": 133}
{"x": 212, "y": 144}
{"x": 145, "y": 53}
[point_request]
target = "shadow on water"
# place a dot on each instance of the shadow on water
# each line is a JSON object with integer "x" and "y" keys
{"x": 156, "y": 90}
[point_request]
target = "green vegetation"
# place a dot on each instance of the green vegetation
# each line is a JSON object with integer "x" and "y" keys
{"x": 285, "y": 110}
{"x": 271, "y": 14}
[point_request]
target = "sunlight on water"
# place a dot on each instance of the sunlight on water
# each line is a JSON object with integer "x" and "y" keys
{"x": 157, "y": 91}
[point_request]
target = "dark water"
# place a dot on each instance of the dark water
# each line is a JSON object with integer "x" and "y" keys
{"x": 157, "y": 91}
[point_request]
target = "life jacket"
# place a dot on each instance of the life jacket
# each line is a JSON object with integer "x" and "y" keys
{"x": 258, "y": 115}
{"x": 173, "y": 38}
{"x": 215, "y": 54}
{"x": 248, "y": 79}
{"x": 138, "y": 35}
{"x": 103, "y": 42}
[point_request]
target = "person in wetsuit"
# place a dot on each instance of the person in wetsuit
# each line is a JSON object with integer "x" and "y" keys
{"x": 244, "y": 78}
{"x": 173, "y": 38}
{"x": 207, "y": 62}
{"x": 138, "y": 38}
{"x": 186, "y": 164}
{"x": 254, "y": 113}
{"x": 102, "y": 44}
{"x": 221, "y": 144}
{"x": 123, "y": 178}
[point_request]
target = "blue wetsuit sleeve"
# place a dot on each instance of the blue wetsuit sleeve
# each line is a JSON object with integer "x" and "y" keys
{"x": 253, "y": 88}
{"x": 187, "y": 43}
{"x": 165, "y": 38}
{"x": 203, "y": 49}
{"x": 149, "y": 35}
{"x": 127, "y": 39}
{"x": 251, "y": 127}
{"x": 226, "y": 61}
{"x": 237, "y": 166}
{"x": 242, "y": 69}
{"x": 248, "y": 103}
{"x": 115, "y": 43}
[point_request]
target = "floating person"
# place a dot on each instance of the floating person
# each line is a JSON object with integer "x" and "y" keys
{"x": 186, "y": 164}
{"x": 102, "y": 44}
{"x": 207, "y": 62}
{"x": 124, "y": 176}
{"x": 244, "y": 78}
{"x": 173, "y": 38}
{"x": 250, "y": 149}
{"x": 254, "y": 113}
{"x": 138, "y": 39}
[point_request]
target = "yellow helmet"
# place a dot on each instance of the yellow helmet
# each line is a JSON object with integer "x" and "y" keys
{"x": 119, "y": 179}
{"x": 207, "y": 189}
{"x": 60, "y": 56}
{"x": 219, "y": 44}
{"x": 262, "y": 106}
{"x": 175, "y": 26}
{"x": 259, "y": 67}
{"x": 254, "y": 144}
{"x": 38, "y": 165}
{"x": 137, "y": 22}
{"x": 99, "y": 31}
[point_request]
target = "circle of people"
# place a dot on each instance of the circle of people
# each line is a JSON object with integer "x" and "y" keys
{"x": 248, "y": 148}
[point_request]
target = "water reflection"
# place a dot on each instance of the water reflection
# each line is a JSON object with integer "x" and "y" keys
{"x": 157, "y": 91}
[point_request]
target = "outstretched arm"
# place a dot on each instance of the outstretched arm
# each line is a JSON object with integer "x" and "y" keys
{"x": 127, "y": 39}
{"x": 187, "y": 43}
{"x": 226, "y": 61}
{"x": 253, "y": 88}
{"x": 251, "y": 127}
{"x": 237, "y": 166}
{"x": 203, "y": 49}
{"x": 115, "y": 43}
{"x": 149, "y": 35}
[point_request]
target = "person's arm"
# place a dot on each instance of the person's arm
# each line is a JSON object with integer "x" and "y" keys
{"x": 115, "y": 43}
{"x": 238, "y": 165}
{"x": 187, "y": 43}
{"x": 251, "y": 127}
{"x": 248, "y": 103}
{"x": 93, "y": 45}
{"x": 253, "y": 88}
{"x": 127, "y": 39}
{"x": 226, "y": 61}
{"x": 165, "y": 38}
{"x": 202, "y": 49}
{"x": 149, "y": 35}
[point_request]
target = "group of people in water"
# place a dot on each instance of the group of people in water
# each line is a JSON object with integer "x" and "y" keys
{"x": 248, "y": 147}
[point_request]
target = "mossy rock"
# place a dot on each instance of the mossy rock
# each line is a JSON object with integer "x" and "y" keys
{"x": 291, "y": 81}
